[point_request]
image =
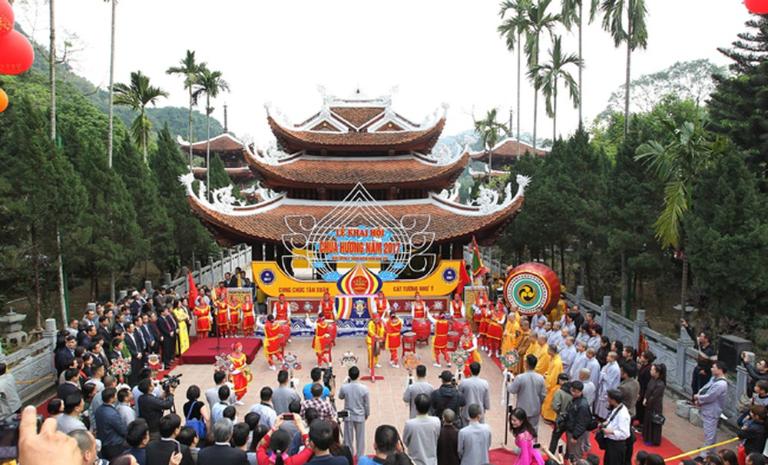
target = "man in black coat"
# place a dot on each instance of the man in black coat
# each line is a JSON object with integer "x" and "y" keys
{"x": 71, "y": 385}
{"x": 577, "y": 422}
{"x": 143, "y": 329}
{"x": 151, "y": 408}
{"x": 64, "y": 355}
{"x": 446, "y": 396}
{"x": 167, "y": 326}
{"x": 104, "y": 331}
{"x": 151, "y": 324}
{"x": 222, "y": 453}
{"x": 159, "y": 451}
{"x": 136, "y": 347}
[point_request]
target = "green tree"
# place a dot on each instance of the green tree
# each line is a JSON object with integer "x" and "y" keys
{"x": 538, "y": 21}
{"x": 727, "y": 239}
{"x": 190, "y": 69}
{"x": 137, "y": 95}
{"x": 211, "y": 84}
{"x": 491, "y": 132}
{"x": 514, "y": 23}
{"x": 573, "y": 14}
{"x": 630, "y": 30}
{"x": 546, "y": 77}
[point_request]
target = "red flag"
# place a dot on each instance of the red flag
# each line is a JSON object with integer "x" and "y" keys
{"x": 478, "y": 269}
{"x": 192, "y": 294}
{"x": 464, "y": 278}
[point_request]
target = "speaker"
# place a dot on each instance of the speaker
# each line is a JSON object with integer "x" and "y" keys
{"x": 730, "y": 349}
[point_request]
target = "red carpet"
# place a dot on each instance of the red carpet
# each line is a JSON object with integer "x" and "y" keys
{"x": 501, "y": 456}
{"x": 666, "y": 449}
{"x": 204, "y": 351}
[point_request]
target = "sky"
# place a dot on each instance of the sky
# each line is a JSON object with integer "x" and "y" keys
{"x": 430, "y": 51}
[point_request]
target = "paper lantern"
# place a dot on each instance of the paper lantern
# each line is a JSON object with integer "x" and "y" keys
{"x": 759, "y": 7}
{"x": 3, "y": 100}
{"x": 16, "y": 53}
{"x": 532, "y": 287}
{"x": 6, "y": 17}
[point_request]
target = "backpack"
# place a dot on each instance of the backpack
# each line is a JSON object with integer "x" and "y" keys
{"x": 196, "y": 424}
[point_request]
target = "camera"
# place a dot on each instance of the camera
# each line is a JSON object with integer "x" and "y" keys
{"x": 9, "y": 436}
{"x": 170, "y": 382}
{"x": 342, "y": 414}
{"x": 328, "y": 376}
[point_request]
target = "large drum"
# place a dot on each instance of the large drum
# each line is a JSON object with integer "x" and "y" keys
{"x": 453, "y": 340}
{"x": 422, "y": 329}
{"x": 459, "y": 324}
{"x": 409, "y": 342}
{"x": 285, "y": 327}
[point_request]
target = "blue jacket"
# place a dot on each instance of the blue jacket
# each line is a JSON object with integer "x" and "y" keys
{"x": 111, "y": 429}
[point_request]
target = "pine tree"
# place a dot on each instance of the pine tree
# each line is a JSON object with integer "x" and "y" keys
{"x": 218, "y": 176}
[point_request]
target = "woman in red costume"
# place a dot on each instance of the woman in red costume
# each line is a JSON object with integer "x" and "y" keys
{"x": 282, "y": 309}
{"x": 249, "y": 318}
{"x": 419, "y": 308}
{"x": 222, "y": 314}
{"x": 393, "y": 329}
{"x": 496, "y": 328}
{"x": 273, "y": 340}
{"x": 240, "y": 374}
{"x": 481, "y": 302}
{"x": 326, "y": 307}
{"x": 234, "y": 316}
{"x": 457, "y": 306}
{"x": 468, "y": 342}
{"x": 440, "y": 340}
{"x": 321, "y": 342}
{"x": 380, "y": 305}
{"x": 203, "y": 317}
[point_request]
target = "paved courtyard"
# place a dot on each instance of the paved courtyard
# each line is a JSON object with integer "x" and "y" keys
{"x": 387, "y": 406}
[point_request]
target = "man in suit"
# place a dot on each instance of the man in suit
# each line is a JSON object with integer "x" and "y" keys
{"x": 151, "y": 408}
{"x": 85, "y": 337}
{"x": 142, "y": 328}
{"x": 357, "y": 402}
{"x": 221, "y": 452}
{"x": 104, "y": 331}
{"x": 66, "y": 354}
{"x": 475, "y": 391}
{"x": 530, "y": 390}
{"x": 70, "y": 385}
{"x": 136, "y": 348}
{"x": 150, "y": 321}
{"x": 167, "y": 326}
{"x": 160, "y": 450}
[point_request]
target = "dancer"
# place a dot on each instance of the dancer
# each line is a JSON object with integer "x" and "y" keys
{"x": 282, "y": 309}
{"x": 393, "y": 330}
{"x": 481, "y": 301}
{"x": 468, "y": 342}
{"x": 222, "y": 311}
{"x": 457, "y": 306}
{"x": 419, "y": 308}
{"x": 321, "y": 342}
{"x": 440, "y": 340}
{"x": 372, "y": 340}
{"x": 485, "y": 315}
{"x": 234, "y": 315}
{"x": 273, "y": 344}
{"x": 495, "y": 328}
{"x": 241, "y": 374}
{"x": 380, "y": 305}
{"x": 326, "y": 307}
{"x": 203, "y": 317}
{"x": 249, "y": 317}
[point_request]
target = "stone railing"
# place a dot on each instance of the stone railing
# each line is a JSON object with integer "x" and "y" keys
{"x": 209, "y": 275}
{"x": 32, "y": 366}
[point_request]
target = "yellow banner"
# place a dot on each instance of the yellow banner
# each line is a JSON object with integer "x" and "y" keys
{"x": 273, "y": 281}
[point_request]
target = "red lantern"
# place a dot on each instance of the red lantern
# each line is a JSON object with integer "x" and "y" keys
{"x": 16, "y": 53}
{"x": 3, "y": 100}
{"x": 758, "y": 7}
{"x": 6, "y": 17}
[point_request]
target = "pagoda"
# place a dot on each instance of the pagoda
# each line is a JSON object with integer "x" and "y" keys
{"x": 505, "y": 154}
{"x": 355, "y": 167}
{"x": 229, "y": 149}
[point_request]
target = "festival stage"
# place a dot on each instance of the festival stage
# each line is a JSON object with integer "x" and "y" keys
{"x": 204, "y": 351}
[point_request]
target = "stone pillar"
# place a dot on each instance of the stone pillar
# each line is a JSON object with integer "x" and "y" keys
{"x": 637, "y": 327}
{"x": 579, "y": 294}
{"x": 148, "y": 286}
{"x": 605, "y": 309}
{"x": 49, "y": 331}
{"x": 742, "y": 378}
{"x": 122, "y": 294}
{"x": 680, "y": 378}
{"x": 167, "y": 279}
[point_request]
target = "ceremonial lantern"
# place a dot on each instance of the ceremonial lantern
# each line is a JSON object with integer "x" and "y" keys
{"x": 532, "y": 287}
{"x": 3, "y": 100}
{"x": 759, "y": 7}
{"x": 16, "y": 53}
{"x": 6, "y": 17}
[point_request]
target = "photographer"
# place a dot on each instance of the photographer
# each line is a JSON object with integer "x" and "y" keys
{"x": 151, "y": 407}
{"x": 757, "y": 371}
{"x": 357, "y": 402}
{"x": 446, "y": 396}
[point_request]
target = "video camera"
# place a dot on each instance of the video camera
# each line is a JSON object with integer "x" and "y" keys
{"x": 169, "y": 382}
{"x": 328, "y": 377}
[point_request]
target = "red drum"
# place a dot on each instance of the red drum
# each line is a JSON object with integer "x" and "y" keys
{"x": 326, "y": 343}
{"x": 285, "y": 327}
{"x": 453, "y": 340}
{"x": 422, "y": 329}
{"x": 459, "y": 324}
{"x": 409, "y": 342}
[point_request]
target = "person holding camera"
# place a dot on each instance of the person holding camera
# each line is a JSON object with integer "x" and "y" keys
{"x": 707, "y": 354}
{"x": 616, "y": 430}
{"x": 357, "y": 402}
{"x": 151, "y": 407}
{"x": 446, "y": 396}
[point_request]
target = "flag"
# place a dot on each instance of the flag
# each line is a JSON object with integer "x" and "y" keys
{"x": 478, "y": 269}
{"x": 192, "y": 292}
{"x": 464, "y": 278}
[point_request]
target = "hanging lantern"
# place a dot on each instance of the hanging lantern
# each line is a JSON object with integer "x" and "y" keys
{"x": 16, "y": 53}
{"x": 3, "y": 100}
{"x": 6, "y": 17}
{"x": 758, "y": 7}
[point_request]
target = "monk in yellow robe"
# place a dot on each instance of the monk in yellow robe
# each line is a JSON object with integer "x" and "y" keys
{"x": 512, "y": 334}
{"x": 524, "y": 342}
{"x": 542, "y": 354}
{"x": 550, "y": 380}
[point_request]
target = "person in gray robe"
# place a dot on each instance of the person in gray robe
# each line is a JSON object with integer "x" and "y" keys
{"x": 594, "y": 367}
{"x": 421, "y": 433}
{"x": 711, "y": 400}
{"x": 419, "y": 386}
{"x": 475, "y": 391}
{"x": 567, "y": 354}
{"x": 357, "y": 402}
{"x": 579, "y": 360}
{"x": 590, "y": 390}
{"x": 475, "y": 439}
{"x": 530, "y": 390}
{"x": 610, "y": 377}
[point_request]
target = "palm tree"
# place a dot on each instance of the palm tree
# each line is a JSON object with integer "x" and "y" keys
{"x": 538, "y": 21}
{"x": 190, "y": 69}
{"x": 677, "y": 164}
{"x": 138, "y": 95}
{"x": 211, "y": 83}
{"x": 490, "y": 132}
{"x": 512, "y": 28}
{"x": 547, "y": 75}
{"x": 572, "y": 13}
{"x": 634, "y": 33}
{"x": 110, "y": 135}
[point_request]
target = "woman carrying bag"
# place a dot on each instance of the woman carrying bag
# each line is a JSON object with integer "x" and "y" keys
{"x": 653, "y": 417}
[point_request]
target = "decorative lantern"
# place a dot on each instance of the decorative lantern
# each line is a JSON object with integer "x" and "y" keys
{"x": 3, "y": 100}
{"x": 6, "y": 17}
{"x": 758, "y": 7}
{"x": 16, "y": 53}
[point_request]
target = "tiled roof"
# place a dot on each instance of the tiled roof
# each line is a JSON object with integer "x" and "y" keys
{"x": 346, "y": 172}
{"x": 239, "y": 173}
{"x": 268, "y": 224}
{"x": 358, "y": 116}
{"x": 221, "y": 143}
{"x": 508, "y": 148}
{"x": 294, "y": 140}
